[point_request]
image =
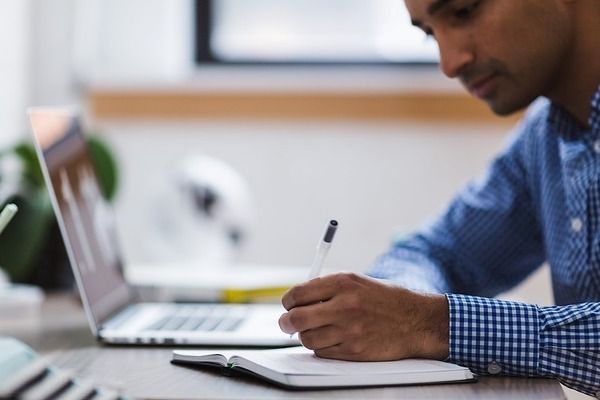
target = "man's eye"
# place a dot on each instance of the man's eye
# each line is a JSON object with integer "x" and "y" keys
{"x": 467, "y": 11}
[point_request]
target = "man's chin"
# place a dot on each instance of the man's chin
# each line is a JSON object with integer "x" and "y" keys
{"x": 504, "y": 109}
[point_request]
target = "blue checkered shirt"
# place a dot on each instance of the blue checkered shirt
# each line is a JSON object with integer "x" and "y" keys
{"x": 538, "y": 202}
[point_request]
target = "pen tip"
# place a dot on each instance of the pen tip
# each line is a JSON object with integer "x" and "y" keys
{"x": 330, "y": 232}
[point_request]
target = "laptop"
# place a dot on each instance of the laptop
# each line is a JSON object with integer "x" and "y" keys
{"x": 86, "y": 223}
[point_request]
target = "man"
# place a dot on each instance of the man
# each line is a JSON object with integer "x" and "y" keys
{"x": 539, "y": 201}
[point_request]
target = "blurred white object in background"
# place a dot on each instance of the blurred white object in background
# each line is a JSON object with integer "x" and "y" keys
{"x": 202, "y": 214}
{"x": 20, "y": 305}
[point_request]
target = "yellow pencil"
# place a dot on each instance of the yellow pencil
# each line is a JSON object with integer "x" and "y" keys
{"x": 235, "y": 295}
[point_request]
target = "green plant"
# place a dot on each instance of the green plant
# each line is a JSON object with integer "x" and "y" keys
{"x": 24, "y": 240}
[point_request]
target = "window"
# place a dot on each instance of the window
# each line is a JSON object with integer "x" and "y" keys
{"x": 309, "y": 32}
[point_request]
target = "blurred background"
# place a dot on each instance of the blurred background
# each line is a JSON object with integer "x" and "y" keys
{"x": 308, "y": 110}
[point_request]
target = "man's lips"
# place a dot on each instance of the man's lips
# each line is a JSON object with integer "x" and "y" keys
{"x": 483, "y": 87}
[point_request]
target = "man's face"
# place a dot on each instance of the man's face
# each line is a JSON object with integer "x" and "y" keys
{"x": 505, "y": 52}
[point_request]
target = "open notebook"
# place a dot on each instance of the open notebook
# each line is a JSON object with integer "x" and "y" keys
{"x": 298, "y": 367}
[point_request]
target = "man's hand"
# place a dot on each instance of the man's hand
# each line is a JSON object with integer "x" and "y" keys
{"x": 353, "y": 317}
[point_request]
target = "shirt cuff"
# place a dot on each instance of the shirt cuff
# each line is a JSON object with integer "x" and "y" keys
{"x": 491, "y": 336}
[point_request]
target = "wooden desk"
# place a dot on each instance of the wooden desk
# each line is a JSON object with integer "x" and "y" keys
{"x": 146, "y": 372}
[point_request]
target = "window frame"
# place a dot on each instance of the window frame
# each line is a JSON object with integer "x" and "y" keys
{"x": 204, "y": 55}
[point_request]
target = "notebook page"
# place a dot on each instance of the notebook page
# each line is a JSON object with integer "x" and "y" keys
{"x": 203, "y": 356}
{"x": 301, "y": 361}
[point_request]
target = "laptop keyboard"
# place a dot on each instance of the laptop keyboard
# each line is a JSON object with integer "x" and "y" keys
{"x": 200, "y": 318}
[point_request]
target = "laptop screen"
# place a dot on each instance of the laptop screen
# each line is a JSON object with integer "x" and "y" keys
{"x": 85, "y": 218}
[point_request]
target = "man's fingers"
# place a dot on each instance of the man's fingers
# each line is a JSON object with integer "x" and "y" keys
{"x": 337, "y": 352}
{"x": 303, "y": 318}
{"x": 344, "y": 351}
{"x": 318, "y": 289}
{"x": 322, "y": 337}
{"x": 313, "y": 291}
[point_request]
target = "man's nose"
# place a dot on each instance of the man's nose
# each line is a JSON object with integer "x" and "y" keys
{"x": 454, "y": 56}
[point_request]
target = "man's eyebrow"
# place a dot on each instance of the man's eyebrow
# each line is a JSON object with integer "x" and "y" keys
{"x": 437, "y": 6}
{"x": 432, "y": 9}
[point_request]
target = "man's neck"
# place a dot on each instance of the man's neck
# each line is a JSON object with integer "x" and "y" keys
{"x": 580, "y": 76}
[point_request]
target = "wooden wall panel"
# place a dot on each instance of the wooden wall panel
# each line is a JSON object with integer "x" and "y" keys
{"x": 433, "y": 107}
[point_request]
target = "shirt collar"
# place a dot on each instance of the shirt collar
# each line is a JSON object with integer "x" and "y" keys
{"x": 567, "y": 126}
{"x": 594, "y": 119}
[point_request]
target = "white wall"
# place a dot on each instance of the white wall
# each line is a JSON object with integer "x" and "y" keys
{"x": 133, "y": 40}
{"x": 36, "y": 38}
{"x": 51, "y": 50}
{"x": 51, "y": 72}
{"x": 377, "y": 178}
{"x": 15, "y": 54}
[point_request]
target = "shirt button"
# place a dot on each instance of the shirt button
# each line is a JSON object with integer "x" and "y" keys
{"x": 494, "y": 368}
{"x": 597, "y": 146}
{"x": 576, "y": 224}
